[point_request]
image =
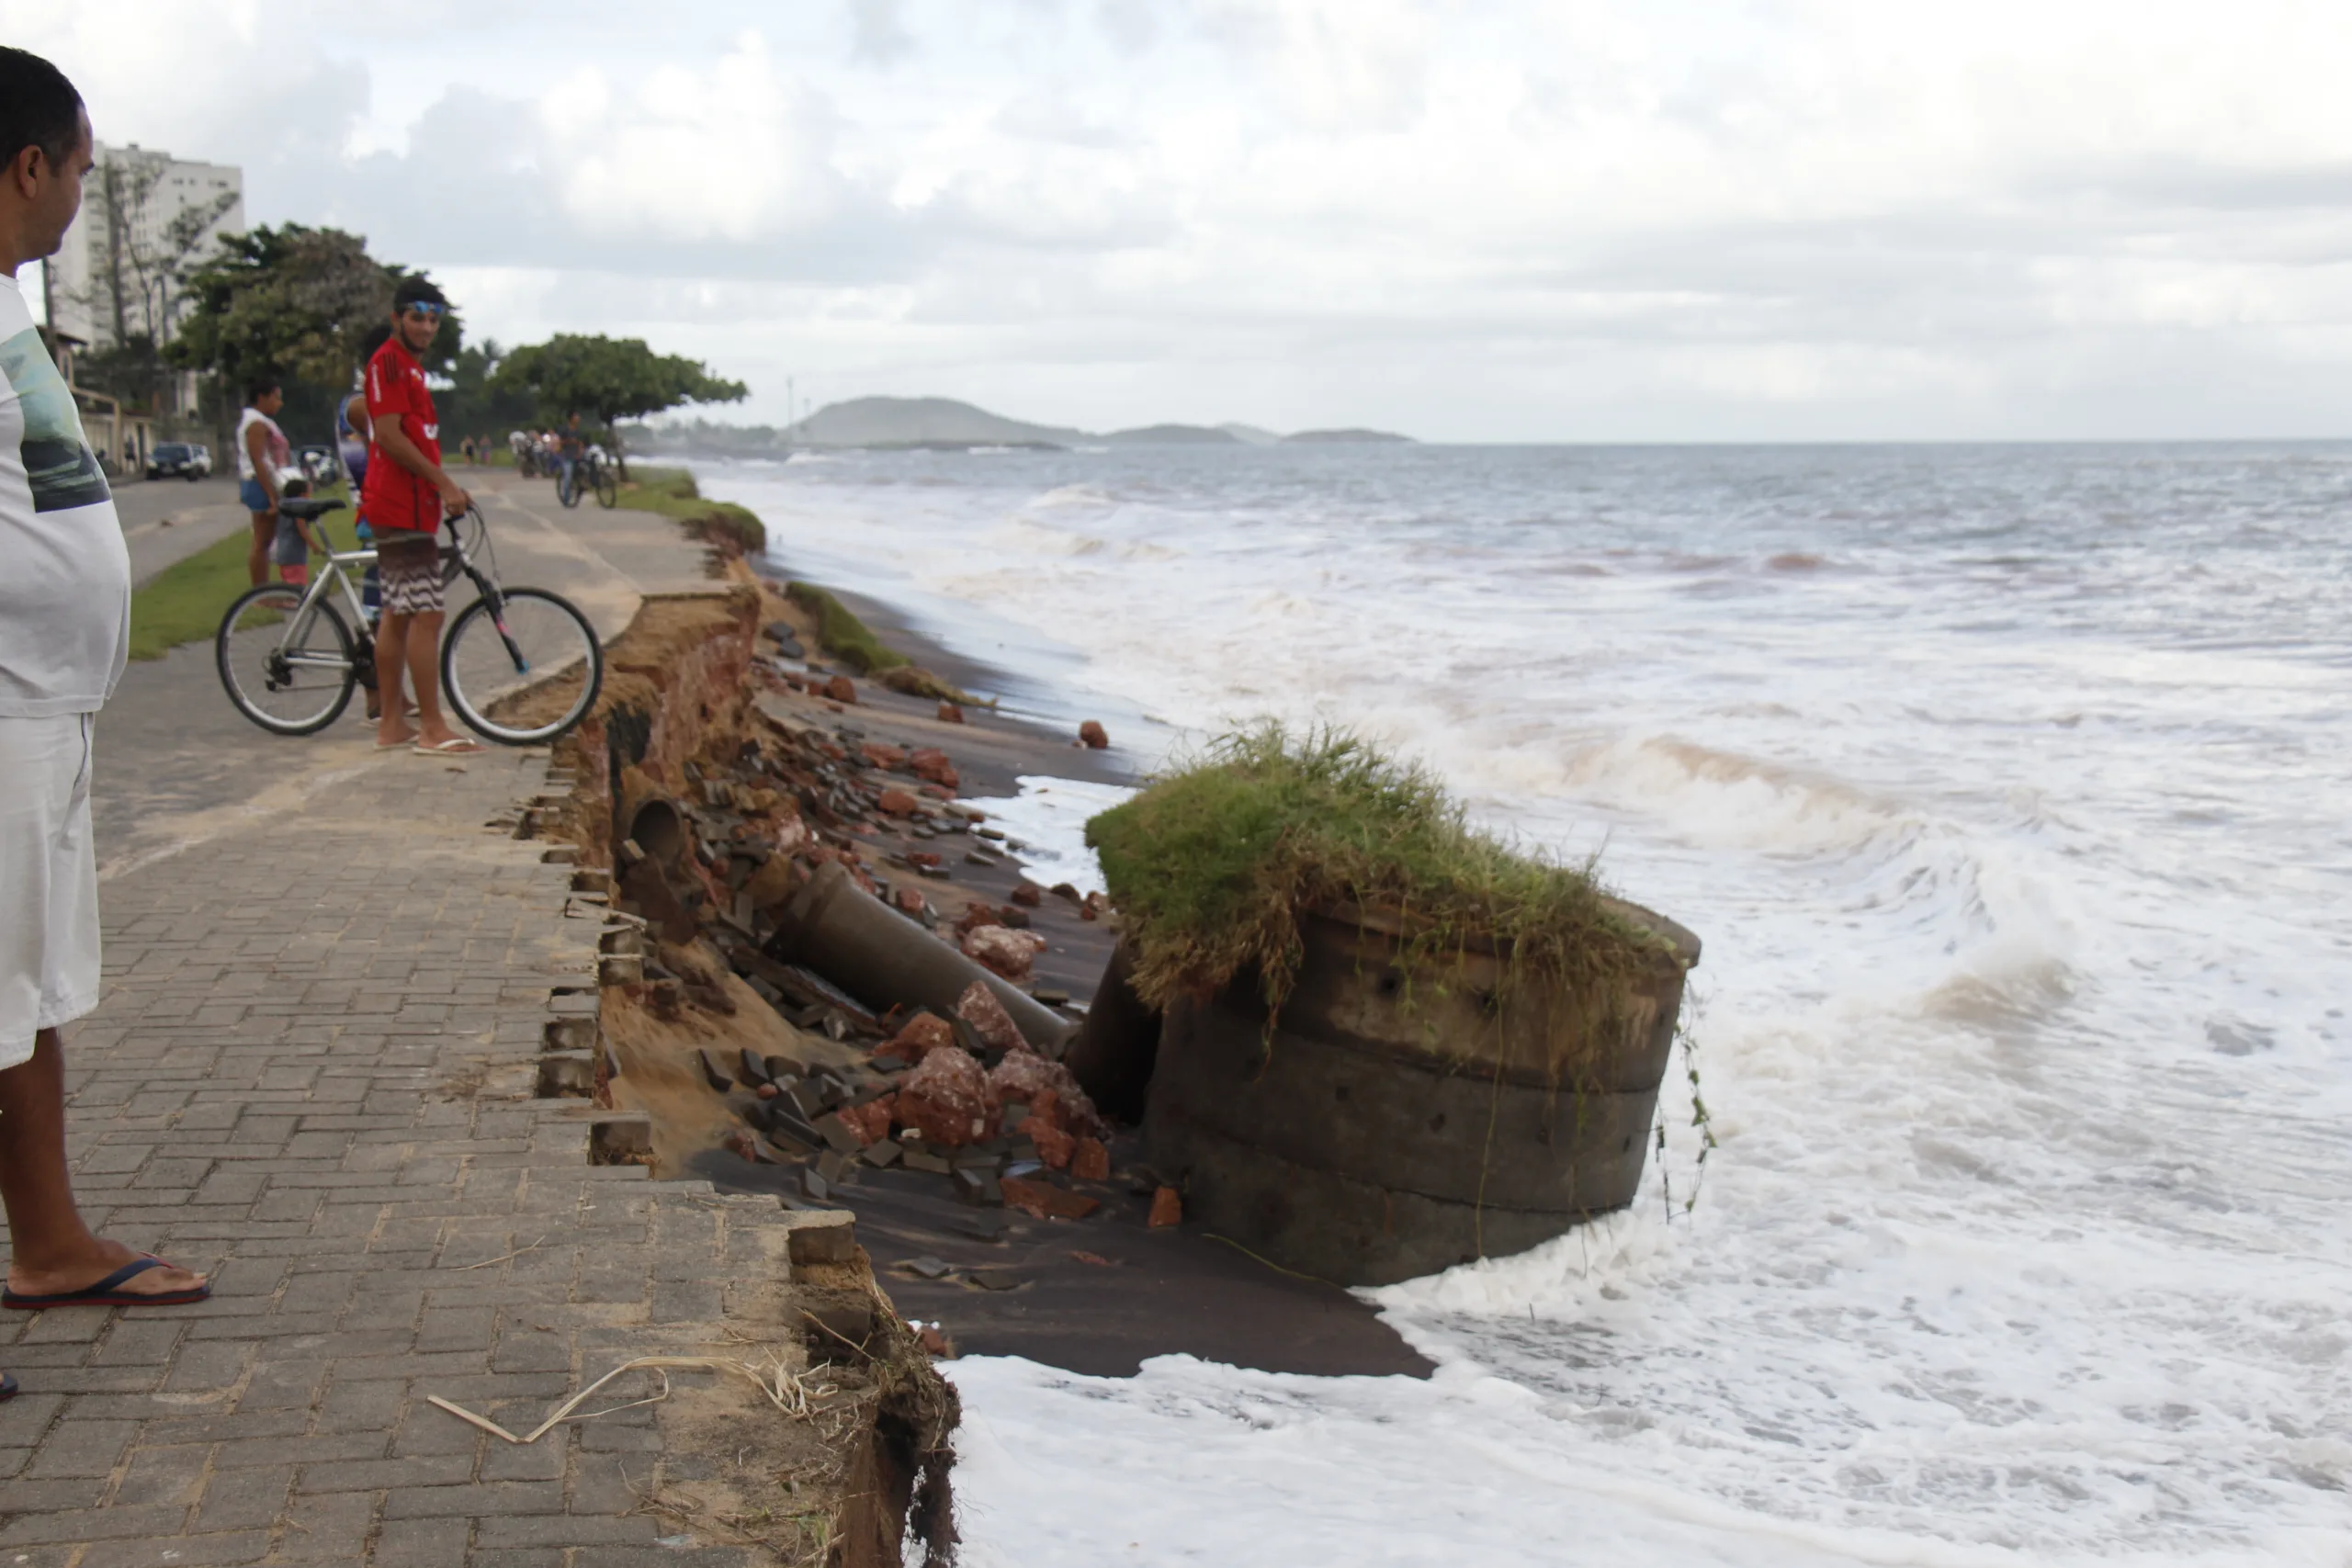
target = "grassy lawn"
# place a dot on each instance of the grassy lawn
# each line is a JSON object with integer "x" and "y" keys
{"x": 184, "y": 603}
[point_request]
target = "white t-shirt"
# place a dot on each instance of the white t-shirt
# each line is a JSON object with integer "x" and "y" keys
{"x": 64, "y": 570}
{"x": 281, "y": 454}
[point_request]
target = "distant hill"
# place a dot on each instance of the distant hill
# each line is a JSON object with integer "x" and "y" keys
{"x": 1171, "y": 435}
{"x": 1343, "y": 438}
{"x": 946, "y": 423}
{"x": 923, "y": 422}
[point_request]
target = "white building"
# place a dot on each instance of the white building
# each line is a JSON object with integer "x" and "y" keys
{"x": 146, "y": 216}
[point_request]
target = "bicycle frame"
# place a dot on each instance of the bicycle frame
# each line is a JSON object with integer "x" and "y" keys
{"x": 337, "y": 574}
{"x": 334, "y": 575}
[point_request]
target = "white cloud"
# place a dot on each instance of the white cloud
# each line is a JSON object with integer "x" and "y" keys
{"x": 1532, "y": 218}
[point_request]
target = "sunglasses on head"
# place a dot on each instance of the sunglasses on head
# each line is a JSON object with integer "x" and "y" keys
{"x": 431, "y": 313}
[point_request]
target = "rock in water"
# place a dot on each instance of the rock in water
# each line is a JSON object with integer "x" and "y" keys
{"x": 950, "y": 714}
{"x": 1095, "y": 737}
{"x": 842, "y": 689}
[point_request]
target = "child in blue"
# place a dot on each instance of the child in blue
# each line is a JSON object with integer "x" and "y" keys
{"x": 292, "y": 549}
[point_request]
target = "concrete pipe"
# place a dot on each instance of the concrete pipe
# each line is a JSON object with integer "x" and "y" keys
{"x": 879, "y": 956}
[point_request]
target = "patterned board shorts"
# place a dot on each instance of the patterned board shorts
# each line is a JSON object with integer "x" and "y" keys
{"x": 410, "y": 568}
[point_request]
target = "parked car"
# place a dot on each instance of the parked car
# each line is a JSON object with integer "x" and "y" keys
{"x": 168, "y": 459}
{"x": 319, "y": 464}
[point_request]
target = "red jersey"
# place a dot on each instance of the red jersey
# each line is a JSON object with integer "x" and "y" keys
{"x": 391, "y": 497}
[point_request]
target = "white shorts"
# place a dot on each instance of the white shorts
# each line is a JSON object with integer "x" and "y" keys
{"x": 49, "y": 880}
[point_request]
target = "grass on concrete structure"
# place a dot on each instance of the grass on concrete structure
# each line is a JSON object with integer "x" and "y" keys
{"x": 1213, "y": 867}
{"x": 673, "y": 493}
{"x": 184, "y": 603}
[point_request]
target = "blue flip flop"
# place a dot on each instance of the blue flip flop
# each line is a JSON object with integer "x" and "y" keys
{"x": 105, "y": 1292}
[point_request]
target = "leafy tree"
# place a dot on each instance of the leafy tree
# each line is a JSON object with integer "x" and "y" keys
{"x": 472, "y": 403}
{"x": 296, "y": 303}
{"x": 609, "y": 379}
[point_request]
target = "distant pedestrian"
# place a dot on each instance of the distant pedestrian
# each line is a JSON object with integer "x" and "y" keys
{"x": 64, "y": 635}
{"x": 263, "y": 455}
{"x": 407, "y": 496}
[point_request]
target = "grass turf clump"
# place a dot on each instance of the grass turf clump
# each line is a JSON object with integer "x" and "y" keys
{"x": 1213, "y": 867}
{"x": 842, "y": 633}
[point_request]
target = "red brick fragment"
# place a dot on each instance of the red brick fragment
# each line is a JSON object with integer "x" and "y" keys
{"x": 842, "y": 689}
{"x": 1011, "y": 953}
{"x": 950, "y": 714}
{"x": 897, "y": 803}
{"x": 1044, "y": 1201}
{"x": 882, "y": 754}
{"x": 925, "y": 1032}
{"x": 1090, "y": 1161}
{"x": 1026, "y": 896}
{"x": 979, "y": 1007}
{"x": 1167, "y": 1207}
{"x": 1054, "y": 1145}
{"x": 947, "y": 1098}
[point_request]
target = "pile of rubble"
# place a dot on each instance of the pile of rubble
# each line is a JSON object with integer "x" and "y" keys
{"x": 712, "y": 862}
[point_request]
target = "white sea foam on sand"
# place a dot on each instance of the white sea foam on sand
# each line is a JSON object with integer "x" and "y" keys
{"x": 2005, "y": 789}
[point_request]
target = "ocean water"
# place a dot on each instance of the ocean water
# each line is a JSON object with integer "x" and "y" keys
{"x": 2008, "y": 787}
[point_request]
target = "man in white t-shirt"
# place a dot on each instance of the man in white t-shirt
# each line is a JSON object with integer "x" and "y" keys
{"x": 64, "y": 635}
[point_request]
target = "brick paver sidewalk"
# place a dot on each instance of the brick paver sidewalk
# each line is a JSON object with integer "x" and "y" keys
{"x": 313, "y": 1075}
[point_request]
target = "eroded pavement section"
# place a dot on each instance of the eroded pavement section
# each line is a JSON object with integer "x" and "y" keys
{"x": 314, "y": 1074}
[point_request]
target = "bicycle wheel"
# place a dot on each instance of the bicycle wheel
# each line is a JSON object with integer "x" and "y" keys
{"x": 527, "y": 675}
{"x": 290, "y": 676}
{"x": 608, "y": 488}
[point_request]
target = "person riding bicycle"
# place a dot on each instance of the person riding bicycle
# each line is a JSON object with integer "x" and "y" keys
{"x": 407, "y": 495}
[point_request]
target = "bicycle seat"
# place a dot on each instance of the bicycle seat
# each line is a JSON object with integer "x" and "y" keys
{"x": 310, "y": 507}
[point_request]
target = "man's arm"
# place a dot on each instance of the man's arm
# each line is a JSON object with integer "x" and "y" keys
{"x": 408, "y": 454}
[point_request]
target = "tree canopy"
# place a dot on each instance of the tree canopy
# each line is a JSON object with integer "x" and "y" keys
{"x": 609, "y": 378}
{"x": 292, "y": 302}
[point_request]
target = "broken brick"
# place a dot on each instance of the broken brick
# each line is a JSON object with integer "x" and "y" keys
{"x": 979, "y": 1007}
{"x": 947, "y": 1099}
{"x": 1167, "y": 1207}
{"x": 1044, "y": 1201}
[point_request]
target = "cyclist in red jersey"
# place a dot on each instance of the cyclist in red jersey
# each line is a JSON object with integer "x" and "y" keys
{"x": 406, "y": 496}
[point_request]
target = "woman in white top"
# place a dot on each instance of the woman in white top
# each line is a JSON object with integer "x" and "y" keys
{"x": 262, "y": 453}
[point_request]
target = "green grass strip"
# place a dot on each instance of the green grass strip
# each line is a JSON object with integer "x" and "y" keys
{"x": 672, "y": 493}
{"x": 184, "y": 603}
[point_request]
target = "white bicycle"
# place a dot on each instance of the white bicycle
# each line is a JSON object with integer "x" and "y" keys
{"x": 521, "y": 665}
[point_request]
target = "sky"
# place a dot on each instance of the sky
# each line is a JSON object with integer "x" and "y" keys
{"x": 1464, "y": 220}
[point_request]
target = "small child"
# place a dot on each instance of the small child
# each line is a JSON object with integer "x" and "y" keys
{"x": 291, "y": 550}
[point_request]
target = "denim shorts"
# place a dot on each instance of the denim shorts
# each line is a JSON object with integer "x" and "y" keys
{"x": 255, "y": 498}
